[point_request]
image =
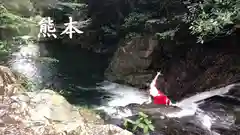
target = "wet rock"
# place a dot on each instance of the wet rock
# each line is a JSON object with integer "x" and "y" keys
{"x": 91, "y": 116}
{"x": 189, "y": 125}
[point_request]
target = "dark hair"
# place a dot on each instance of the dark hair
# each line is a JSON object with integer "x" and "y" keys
{"x": 161, "y": 84}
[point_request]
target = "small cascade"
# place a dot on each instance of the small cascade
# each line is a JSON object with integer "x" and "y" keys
{"x": 207, "y": 94}
{"x": 190, "y": 108}
{"x": 27, "y": 60}
{"x": 121, "y": 96}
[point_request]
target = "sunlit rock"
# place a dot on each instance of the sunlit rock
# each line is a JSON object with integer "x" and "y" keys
{"x": 8, "y": 82}
{"x": 47, "y": 110}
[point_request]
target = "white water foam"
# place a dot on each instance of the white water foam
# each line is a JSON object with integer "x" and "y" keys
{"x": 124, "y": 95}
{"x": 24, "y": 63}
{"x": 190, "y": 105}
{"x": 187, "y": 110}
{"x": 121, "y": 95}
{"x": 207, "y": 94}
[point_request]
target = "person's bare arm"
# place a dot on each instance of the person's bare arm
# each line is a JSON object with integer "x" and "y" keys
{"x": 153, "y": 83}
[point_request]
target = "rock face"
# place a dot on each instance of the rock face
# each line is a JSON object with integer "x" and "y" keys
{"x": 132, "y": 61}
{"x": 49, "y": 107}
{"x": 163, "y": 125}
{"x": 48, "y": 112}
{"x": 188, "y": 68}
{"x": 8, "y": 82}
{"x": 44, "y": 112}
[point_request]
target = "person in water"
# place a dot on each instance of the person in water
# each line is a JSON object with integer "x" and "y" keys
{"x": 158, "y": 96}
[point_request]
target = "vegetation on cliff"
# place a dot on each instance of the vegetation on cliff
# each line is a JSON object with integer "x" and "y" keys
{"x": 12, "y": 25}
{"x": 205, "y": 19}
{"x": 214, "y": 17}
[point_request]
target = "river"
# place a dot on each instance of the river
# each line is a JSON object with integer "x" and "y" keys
{"x": 79, "y": 74}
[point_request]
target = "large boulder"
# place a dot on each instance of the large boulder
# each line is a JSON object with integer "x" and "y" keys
{"x": 47, "y": 112}
{"x": 132, "y": 61}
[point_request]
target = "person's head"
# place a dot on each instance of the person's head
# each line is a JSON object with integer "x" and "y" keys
{"x": 161, "y": 84}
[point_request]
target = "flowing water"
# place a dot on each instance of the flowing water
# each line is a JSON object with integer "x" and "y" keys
{"x": 79, "y": 74}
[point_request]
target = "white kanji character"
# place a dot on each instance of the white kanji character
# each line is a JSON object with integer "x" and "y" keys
{"x": 71, "y": 28}
{"x": 47, "y": 28}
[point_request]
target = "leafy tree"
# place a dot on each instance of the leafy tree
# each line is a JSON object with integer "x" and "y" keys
{"x": 207, "y": 19}
{"x": 214, "y": 18}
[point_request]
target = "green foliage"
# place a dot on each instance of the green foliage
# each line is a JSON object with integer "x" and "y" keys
{"x": 27, "y": 84}
{"x": 143, "y": 122}
{"x": 4, "y": 48}
{"x": 207, "y": 19}
{"x": 12, "y": 26}
{"x": 212, "y": 18}
{"x": 169, "y": 34}
{"x": 12, "y": 21}
{"x": 136, "y": 21}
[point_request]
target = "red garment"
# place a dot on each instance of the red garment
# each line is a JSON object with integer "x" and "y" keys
{"x": 161, "y": 99}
